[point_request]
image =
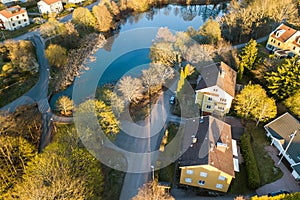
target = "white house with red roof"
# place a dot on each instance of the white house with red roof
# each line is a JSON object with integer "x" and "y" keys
{"x": 14, "y": 18}
{"x": 284, "y": 38}
{"x": 50, "y": 6}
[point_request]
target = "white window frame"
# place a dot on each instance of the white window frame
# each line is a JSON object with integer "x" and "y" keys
{"x": 189, "y": 171}
{"x": 219, "y": 186}
{"x": 222, "y": 178}
{"x": 188, "y": 180}
{"x": 208, "y": 107}
{"x": 209, "y": 98}
{"x": 201, "y": 182}
{"x": 203, "y": 174}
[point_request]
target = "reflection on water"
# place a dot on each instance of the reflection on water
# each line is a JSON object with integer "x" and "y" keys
{"x": 176, "y": 18}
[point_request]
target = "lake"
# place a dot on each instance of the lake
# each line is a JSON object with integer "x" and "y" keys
{"x": 129, "y": 51}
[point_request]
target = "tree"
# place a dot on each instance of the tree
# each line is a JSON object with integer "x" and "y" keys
{"x": 163, "y": 53}
{"x": 15, "y": 152}
{"x": 20, "y": 54}
{"x": 248, "y": 58}
{"x": 211, "y": 32}
{"x": 253, "y": 103}
{"x": 84, "y": 18}
{"x": 293, "y": 103}
{"x": 151, "y": 191}
{"x": 65, "y": 105}
{"x": 265, "y": 110}
{"x": 284, "y": 82}
{"x": 108, "y": 122}
{"x": 130, "y": 88}
{"x": 51, "y": 28}
{"x": 56, "y": 55}
{"x": 104, "y": 18}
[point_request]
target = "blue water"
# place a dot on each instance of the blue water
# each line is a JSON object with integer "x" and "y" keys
{"x": 129, "y": 52}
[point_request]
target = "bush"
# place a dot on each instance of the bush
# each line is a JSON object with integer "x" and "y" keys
{"x": 250, "y": 162}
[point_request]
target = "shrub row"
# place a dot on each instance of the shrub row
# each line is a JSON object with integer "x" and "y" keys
{"x": 250, "y": 162}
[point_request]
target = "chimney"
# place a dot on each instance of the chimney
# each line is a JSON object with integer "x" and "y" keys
{"x": 221, "y": 146}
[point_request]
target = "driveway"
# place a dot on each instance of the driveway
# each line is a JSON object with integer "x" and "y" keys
{"x": 287, "y": 182}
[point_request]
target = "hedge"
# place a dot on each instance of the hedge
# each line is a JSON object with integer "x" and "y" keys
{"x": 250, "y": 162}
{"x": 294, "y": 196}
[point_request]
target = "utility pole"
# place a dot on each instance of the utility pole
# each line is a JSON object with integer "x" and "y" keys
{"x": 284, "y": 152}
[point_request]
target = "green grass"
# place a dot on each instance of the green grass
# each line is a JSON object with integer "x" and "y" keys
{"x": 11, "y": 93}
{"x": 239, "y": 184}
{"x": 267, "y": 170}
{"x": 167, "y": 174}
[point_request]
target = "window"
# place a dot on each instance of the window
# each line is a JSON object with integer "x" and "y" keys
{"x": 220, "y": 108}
{"x": 294, "y": 47}
{"x": 215, "y": 90}
{"x": 23, "y": 15}
{"x": 11, "y": 19}
{"x": 209, "y": 99}
{"x": 220, "y": 186}
{"x": 222, "y": 178}
{"x": 208, "y": 107}
{"x": 203, "y": 174}
{"x": 19, "y": 22}
{"x": 188, "y": 180}
{"x": 200, "y": 182}
{"x": 189, "y": 171}
{"x": 271, "y": 40}
{"x": 222, "y": 99}
{"x": 13, "y": 24}
{"x": 278, "y": 43}
{"x": 25, "y": 20}
{"x": 17, "y": 17}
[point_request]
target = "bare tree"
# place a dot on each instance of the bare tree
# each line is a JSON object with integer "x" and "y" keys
{"x": 131, "y": 88}
{"x": 152, "y": 191}
{"x": 65, "y": 105}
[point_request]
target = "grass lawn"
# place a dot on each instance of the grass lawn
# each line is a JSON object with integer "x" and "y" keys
{"x": 16, "y": 90}
{"x": 239, "y": 184}
{"x": 113, "y": 182}
{"x": 268, "y": 172}
{"x": 167, "y": 174}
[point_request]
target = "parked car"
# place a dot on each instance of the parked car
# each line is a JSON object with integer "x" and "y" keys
{"x": 172, "y": 99}
{"x": 273, "y": 194}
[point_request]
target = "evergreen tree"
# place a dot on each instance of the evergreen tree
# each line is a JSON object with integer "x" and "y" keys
{"x": 284, "y": 82}
{"x": 248, "y": 58}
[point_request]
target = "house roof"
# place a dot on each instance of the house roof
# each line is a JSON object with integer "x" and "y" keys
{"x": 12, "y": 11}
{"x": 297, "y": 168}
{"x": 218, "y": 74}
{"x": 49, "y": 2}
{"x": 282, "y": 128}
{"x": 295, "y": 41}
{"x": 212, "y": 135}
{"x": 286, "y": 31}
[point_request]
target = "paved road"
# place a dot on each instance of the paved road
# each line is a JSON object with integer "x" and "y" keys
{"x": 287, "y": 182}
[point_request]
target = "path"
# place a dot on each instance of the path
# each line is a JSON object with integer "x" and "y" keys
{"x": 287, "y": 182}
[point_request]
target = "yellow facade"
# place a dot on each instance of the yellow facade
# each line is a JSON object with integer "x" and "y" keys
{"x": 205, "y": 176}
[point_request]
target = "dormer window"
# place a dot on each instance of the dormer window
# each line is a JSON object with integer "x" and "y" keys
{"x": 279, "y": 33}
{"x": 298, "y": 41}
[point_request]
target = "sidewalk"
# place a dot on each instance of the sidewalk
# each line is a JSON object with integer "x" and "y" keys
{"x": 287, "y": 182}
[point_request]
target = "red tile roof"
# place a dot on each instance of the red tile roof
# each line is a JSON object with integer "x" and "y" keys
{"x": 12, "y": 11}
{"x": 49, "y": 2}
{"x": 297, "y": 43}
{"x": 288, "y": 32}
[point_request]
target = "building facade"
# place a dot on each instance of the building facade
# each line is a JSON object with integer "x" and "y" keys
{"x": 284, "y": 132}
{"x": 210, "y": 160}
{"x": 215, "y": 88}
{"x": 50, "y": 6}
{"x": 284, "y": 38}
{"x": 14, "y": 18}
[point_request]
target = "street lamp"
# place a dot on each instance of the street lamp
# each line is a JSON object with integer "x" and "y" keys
{"x": 284, "y": 152}
{"x": 152, "y": 167}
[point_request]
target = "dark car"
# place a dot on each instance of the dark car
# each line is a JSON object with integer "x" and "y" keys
{"x": 273, "y": 194}
{"x": 172, "y": 100}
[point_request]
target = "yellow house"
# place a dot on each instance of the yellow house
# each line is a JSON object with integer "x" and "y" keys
{"x": 284, "y": 38}
{"x": 210, "y": 161}
{"x": 215, "y": 88}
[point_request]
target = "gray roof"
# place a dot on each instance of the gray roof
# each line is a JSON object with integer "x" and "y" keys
{"x": 218, "y": 74}
{"x": 297, "y": 168}
{"x": 210, "y": 131}
{"x": 282, "y": 128}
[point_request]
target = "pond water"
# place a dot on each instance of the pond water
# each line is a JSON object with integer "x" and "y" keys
{"x": 130, "y": 47}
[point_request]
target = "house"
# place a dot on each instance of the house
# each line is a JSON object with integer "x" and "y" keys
{"x": 215, "y": 88}
{"x": 14, "y": 18}
{"x": 8, "y": 2}
{"x": 284, "y": 38}
{"x": 73, "y": 1}
{"x": 285, "y": 134}
{"x": 50, "y": 6}
{"x": 209, "y": 160}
